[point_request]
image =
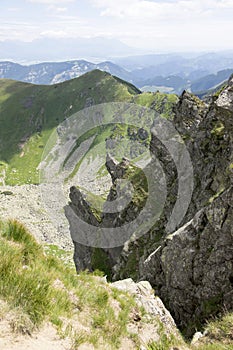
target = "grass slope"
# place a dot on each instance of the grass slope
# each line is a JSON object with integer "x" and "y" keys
{"x": 29, "y": 113}
{"x": 37, "y": 286}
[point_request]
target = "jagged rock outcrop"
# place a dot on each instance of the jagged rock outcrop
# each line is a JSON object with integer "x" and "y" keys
{"x": 111, "y": 165}
{"x": 86, "y": 257}
{"x": 226, "y": 97}
{"x": 154, "y": 308}
{"x": 192, "y": 270}
{"x": 80, "y": 206}
{"x": 188, "y": 109}
{"x": 191, "y": 267}
{"x": 122, "y": 206}
{"x": 189, "y": 112}
{"x": 115, "y": 169}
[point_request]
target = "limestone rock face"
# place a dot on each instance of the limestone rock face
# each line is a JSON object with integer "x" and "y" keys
{"x": 80, "y": 206}
{"x": 86, "y": 257}
{"x": 225, "y": 98}
{"x": 153, "y": 306}
{"x": 192, "y": 270}
{"x": 189, "y": 112}
{"x": 145, "y": 297}
{"x": 111, "y": 165}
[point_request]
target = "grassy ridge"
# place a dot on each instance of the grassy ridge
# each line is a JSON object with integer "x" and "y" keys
{"x": 29, "y": 113}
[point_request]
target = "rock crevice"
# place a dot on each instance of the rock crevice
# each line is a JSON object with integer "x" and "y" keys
{"x": 191, "y": 268}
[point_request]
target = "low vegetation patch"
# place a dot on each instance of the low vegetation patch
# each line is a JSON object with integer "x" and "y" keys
{"x": 218, "y": 334}
{"x": 38, "y": 286}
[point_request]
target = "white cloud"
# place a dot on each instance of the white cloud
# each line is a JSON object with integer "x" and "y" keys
{"x": 56, "y": 9}
{"x": 153, "y": 25}
{"x": 61, "y": 9}
{"x": 164, "y": 24}
{"x": 53, "y": 34}
{"x": 227, "y": 4}
{"x": 17, "y": 30}
{"x": 51, "y": 2}
{"x": 13, "y": 9}
{"x": 162, "y": 10}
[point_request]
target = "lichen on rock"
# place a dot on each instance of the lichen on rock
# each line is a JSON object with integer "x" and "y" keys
{"x": 191, "y": 268}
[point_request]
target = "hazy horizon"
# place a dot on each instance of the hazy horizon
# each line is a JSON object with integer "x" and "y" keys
{"x": 114, "y": 59}
{"x": 123, "y": 28}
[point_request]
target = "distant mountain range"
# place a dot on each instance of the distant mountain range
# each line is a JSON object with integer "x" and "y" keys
{"x": 49, "y": 73}
{"x": 179, "y": 62}
{"x": 167, "y": 73}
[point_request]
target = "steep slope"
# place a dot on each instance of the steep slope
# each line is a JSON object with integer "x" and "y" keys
{"x": 190, "y": 263}
{"x": 191, "y": 269}
{"x": 38, "y": 290}
{"x": 29, "y": 113}
{"x": 210, "y": 81}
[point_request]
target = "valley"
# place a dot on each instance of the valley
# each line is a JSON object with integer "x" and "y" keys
{"x": 188, "y": 266}
{"x": 116, "y": 175}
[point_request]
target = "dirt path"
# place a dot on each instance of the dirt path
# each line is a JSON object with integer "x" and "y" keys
{"x": 45, "y": 339}
{"x": 24, "y": 204}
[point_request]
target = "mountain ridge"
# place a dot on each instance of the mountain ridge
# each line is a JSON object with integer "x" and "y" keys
{"x": 191, "y": 268}
{"x": 173, "y": 74}
{"x": 33, "y": 111}
{"x": 49, "y": 73}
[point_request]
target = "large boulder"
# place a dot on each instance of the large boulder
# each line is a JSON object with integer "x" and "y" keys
{"x": 159, "y": 318}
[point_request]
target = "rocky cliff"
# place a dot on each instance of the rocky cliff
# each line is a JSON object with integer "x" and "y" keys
{"x": 191, "y": 267}
{"x": 192, "y": 270}
{"x": 86, "y": 257}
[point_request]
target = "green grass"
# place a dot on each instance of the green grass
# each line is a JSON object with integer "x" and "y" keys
{"x": 36, "y": 286}
{"x": 65, "y": 256}
{"x": 39, "y": 287}
{"x": 216, "y": 346}
{"x": 30, "y": 113}
{"x": 160, "y": 102}
{"x": 23, "y": 168}
{"x": 219, "y": 334}
{"x": 117, "y": 132}
{"x": 166, "y": 341}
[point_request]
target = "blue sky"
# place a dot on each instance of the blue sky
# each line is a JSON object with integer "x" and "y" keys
{"x": 167, "y": 25}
